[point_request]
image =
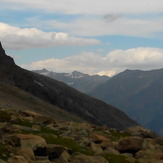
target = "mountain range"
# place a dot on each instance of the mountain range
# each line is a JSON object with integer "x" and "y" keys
{"x": 59, "y": 94}
{"x": 137, "y": 93}
{"x": 82, "y": 82}
{"x": 43, "y": 120}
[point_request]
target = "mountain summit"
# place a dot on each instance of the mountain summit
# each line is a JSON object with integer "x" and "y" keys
{"x": 82, "y": 82}
{"x": 4, "y": 59}
{"x": 2, "y": 52}
{"x": 63, "y": 96}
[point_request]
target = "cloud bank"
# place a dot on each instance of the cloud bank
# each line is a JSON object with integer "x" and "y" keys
{"x": 111, "y": 24}
{"x": 21, "y": 38}
{"x": 94, "y": 17}
{"x": 143, "y": 58}
{"x": 87, "y": 7}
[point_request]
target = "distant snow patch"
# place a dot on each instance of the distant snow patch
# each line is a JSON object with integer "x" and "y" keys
{"x": 44, "y": 73}
{"x": 89, "y": 114}
{"x": 40, "y": 84}
{"x": 72, "y": 83}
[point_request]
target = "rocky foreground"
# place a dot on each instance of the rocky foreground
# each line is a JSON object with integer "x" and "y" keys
{"x": 27, "y": 137}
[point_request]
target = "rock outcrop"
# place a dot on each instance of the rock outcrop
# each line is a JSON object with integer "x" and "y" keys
{"x": 72, "y": 142}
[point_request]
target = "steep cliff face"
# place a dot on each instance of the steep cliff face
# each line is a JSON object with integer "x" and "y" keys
{"x": 61, "y": 95}
{"x": 7, "y": 65}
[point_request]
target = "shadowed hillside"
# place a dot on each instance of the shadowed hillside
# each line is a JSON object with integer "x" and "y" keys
{"x": 59, "y": 94}
{"x": 137, "y": 93}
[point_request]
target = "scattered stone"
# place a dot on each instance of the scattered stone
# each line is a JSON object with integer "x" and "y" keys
{"x": 136, "y": 144}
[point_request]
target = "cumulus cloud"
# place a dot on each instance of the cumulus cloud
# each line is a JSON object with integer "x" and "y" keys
{"x": 87, "y": 7}
{"x": 143, "y": 58}
{"x": 20, "y": 38}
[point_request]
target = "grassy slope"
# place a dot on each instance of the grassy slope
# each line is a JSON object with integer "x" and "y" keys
{"x": 14, "y": 98}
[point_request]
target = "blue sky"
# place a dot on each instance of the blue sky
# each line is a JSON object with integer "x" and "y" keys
{"x": 104, "y": 37}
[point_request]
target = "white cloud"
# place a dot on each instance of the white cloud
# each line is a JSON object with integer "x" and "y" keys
{"x": 114, "y": 13}
{"x": 107, "y": 73}
{"x": 111, "y": 25}
{"x": 20, "y": 38}
{"x": 113, "y": 62}
{"x": 87, "y": 7}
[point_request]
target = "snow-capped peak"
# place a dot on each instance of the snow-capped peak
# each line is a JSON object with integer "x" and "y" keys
{"x": 76, "y": 74}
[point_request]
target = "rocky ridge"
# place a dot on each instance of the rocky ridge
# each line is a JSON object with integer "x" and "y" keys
{"x": 29, "y": 137}
{"x": 82, "y": 82}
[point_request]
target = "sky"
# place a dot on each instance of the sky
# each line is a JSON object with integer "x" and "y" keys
{"x": 96, "y": 37}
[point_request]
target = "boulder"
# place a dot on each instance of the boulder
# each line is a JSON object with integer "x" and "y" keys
{"x": 140, "y": 131}
{"x": 142, "y": 160}
{"x": 130, "y": 145}
{"x": 159, "y": 141}
{"x": 17, "y": 159}
{"x": 106, "y": 143}
{"x": 32, "y": 141}
{"x": 109, "y": 150}
{"x": 27, "y": 153}
{"x": 156, "y": 154}
{"x": 55, "y": 151}
{"x": 97, "y": 138}
{"x": 96, "y": 148}
{"x": 65, "y": 156}
{"x": 149, "y": 144}
{"x": 81, "y": 158}
{"x": 2, "y": 161}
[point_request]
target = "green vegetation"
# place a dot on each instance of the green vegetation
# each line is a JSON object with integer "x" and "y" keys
{"x": 69, "y": 143}
{"x": 112, "y": 158}
{"x": 4, "y": 116}
{"x": 23, "y": 122}
{"x": 47, "y": 130}
{"x": 4, "y": 151}
{"x": 26, "y": 123}
{"x": 116, "y": 135}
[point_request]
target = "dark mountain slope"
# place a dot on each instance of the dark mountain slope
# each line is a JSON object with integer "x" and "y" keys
{"x": 82, "y": 82}
{"x": 138, "y": 93}
{"x": 13, "y": 98}
{"x": 61, "y": 95}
